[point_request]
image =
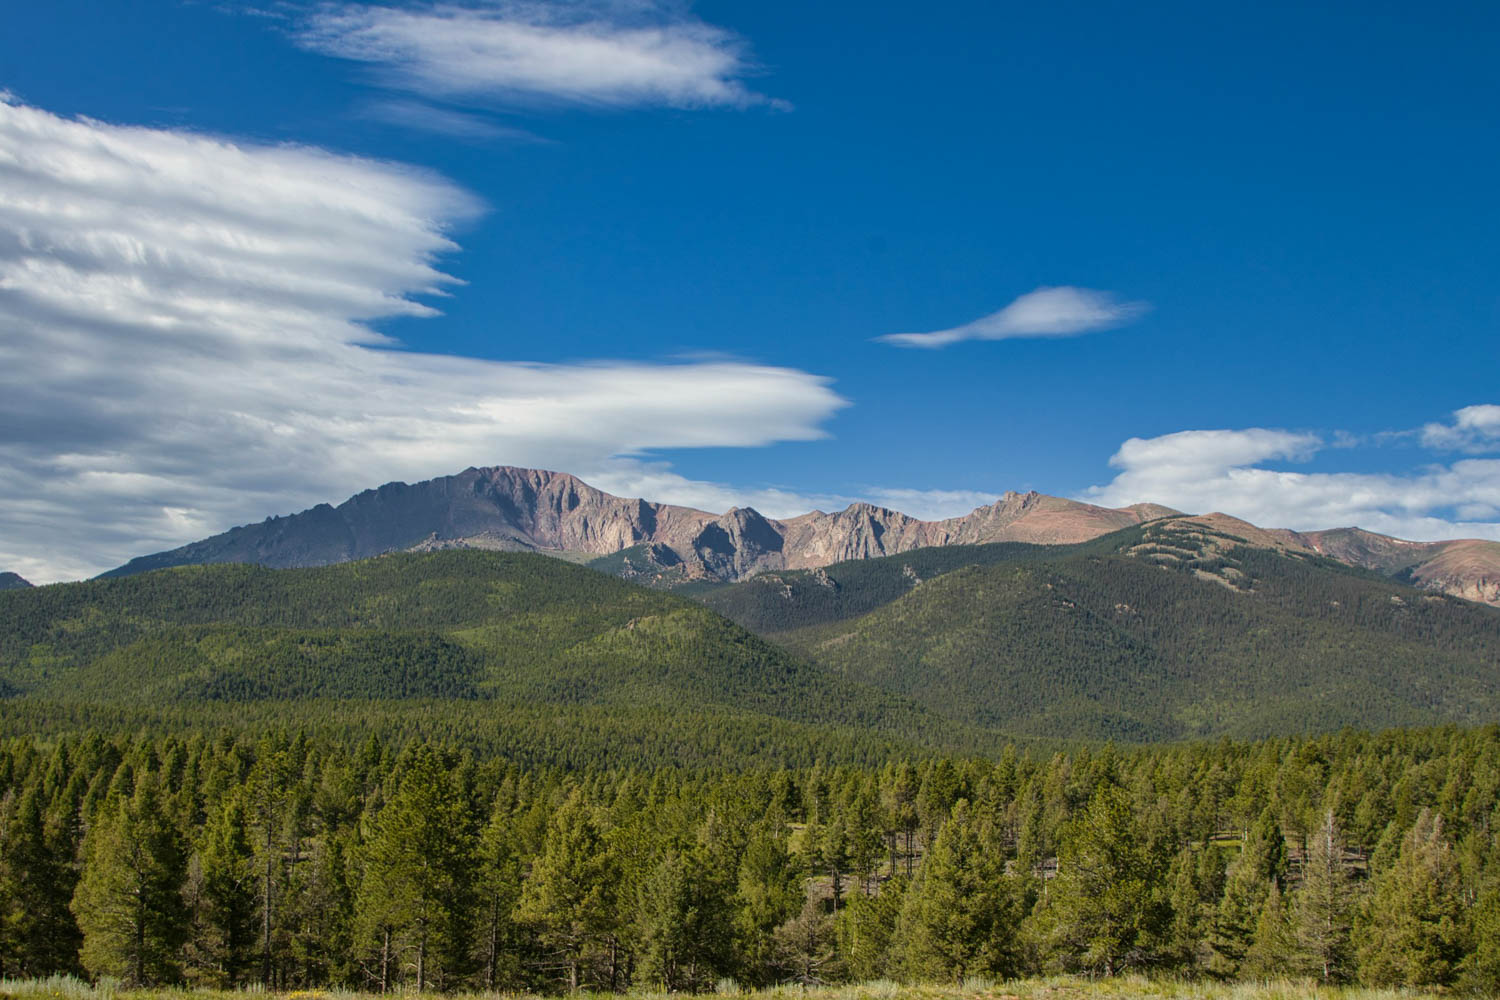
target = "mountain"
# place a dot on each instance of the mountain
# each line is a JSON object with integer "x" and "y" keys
{"x": 489, "y": 646}
{"x": 510, "y": 509}
{"x": 1170, "y": 630}
{"x": 12, "y": 581}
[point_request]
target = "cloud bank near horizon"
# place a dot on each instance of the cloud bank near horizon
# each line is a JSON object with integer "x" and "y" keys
{"x": 1223, "y": 470}
{"x": 188, "y": 347}
{"x": 1060, "y": 311}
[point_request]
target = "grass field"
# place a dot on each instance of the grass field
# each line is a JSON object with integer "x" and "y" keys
{"x": 1117, "y": 988}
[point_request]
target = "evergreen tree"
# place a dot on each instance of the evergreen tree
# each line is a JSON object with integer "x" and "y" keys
{"x": 570, "y": 895}
{"x": 227, "y": 896}
{"x": 38, "y": 935}
{"x": 1324, "y": 905}
{"x": 686, "y": 937}
{"x": 419, "y": 867}
{"x": 866, "y": 929}
{"x": 1102, "y": 911}
{"x": 129, "y": 901}
{"x": 1247, "y": 882}
{"x": 961, "y": 913}
{"x": 498, "y": 890}
{"x": 1273, "y": 946}
{"x": 769, "y": 893}
{"x": 1481, "y": 967}
{"x": 1411, "y": 929}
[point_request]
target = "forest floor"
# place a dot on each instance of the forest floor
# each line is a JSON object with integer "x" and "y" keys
{"x": 1063, "y": 988}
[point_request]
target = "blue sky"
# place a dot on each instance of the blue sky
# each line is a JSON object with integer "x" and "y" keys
{"x": 1263, "y": 236}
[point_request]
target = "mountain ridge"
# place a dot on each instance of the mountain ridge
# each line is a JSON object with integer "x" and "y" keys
{"x": 13, "y": 581}
{"x": 506, "y": 508}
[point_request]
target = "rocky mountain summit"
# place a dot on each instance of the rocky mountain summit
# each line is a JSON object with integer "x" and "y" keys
{"x": 13, "y": 581}
{"x": 512, "y": 509}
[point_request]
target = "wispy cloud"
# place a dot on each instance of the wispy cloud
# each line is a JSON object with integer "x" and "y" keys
{"x": 186, "y": 347}
{"x": 1221, "y": 470}
{"x": 425, "y": 117}
{"x": 588, "y": 53}
{"x": 1061, "y": 311}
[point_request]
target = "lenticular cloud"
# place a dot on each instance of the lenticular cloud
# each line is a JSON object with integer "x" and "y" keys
{"x": 185, "y": 346}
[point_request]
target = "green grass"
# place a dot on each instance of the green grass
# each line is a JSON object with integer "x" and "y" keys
{"x": 1052, "y": 988}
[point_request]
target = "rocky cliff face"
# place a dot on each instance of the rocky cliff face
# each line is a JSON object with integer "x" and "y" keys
{"x": 528, "y": 509}
{"x": 532, "y": 510}
{"x": 12, "y": 581}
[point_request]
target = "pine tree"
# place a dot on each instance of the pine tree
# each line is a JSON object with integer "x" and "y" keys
{"x": 1247, "y": 882}
{"x": 419, "y": 867}
{"x": 961, "y": 913}
{"x": 1324, "y": 905}
{"x": 866, "y": 929}
{"x": 227, "y": 895}
{"x": 38, "y": 935}
{"x": 1411, "y": 929}
{"x": 768, "y": 893}
{"x": 570, "y": 895}
{"x": 498, "y": 890}
{"x": 129, "y": 901}
{"x": 1274, "y": 943}
{"x": 686, "y": 939}
{"x": 1102, "y": 911}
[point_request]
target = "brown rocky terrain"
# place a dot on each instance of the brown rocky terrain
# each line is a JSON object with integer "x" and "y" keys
{"x": 509, "y": 508}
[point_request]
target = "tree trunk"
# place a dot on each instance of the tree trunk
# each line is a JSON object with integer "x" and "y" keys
{"x": 385, "y": 960}
{"x": 265, "y": 922}
{"x": 494, "y": 949}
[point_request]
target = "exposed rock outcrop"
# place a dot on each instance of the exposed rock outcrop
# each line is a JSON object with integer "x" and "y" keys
{"x": 508, "y": 508}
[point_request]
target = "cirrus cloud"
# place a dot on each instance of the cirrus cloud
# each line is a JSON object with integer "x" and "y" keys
{"x": 186, "y": 347}
{"x": 619, "y": 55}
{"x": 1061, "y": 311}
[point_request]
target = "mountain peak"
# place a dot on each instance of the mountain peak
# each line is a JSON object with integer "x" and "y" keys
{"x": 13, "y": 581}
{"x": 511, "y": 508}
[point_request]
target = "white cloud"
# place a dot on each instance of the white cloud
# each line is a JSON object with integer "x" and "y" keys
{"x": 184, "y": 347}
{"x": 1061, "y": 311}
{"x": 1475, "y": 429}
{"x": 621, "y": 54}
{"x": 1203, "y": 471}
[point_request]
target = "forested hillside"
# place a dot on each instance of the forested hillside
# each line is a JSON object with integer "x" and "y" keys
{"x": 510, "y": 651}
{"x": 298, "y": 863}
{"x": 1152, "y": 633}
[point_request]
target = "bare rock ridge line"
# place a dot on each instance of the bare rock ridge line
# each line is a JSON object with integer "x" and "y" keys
{"x": 13, "y": 581}
{"x": 512, "y": 509}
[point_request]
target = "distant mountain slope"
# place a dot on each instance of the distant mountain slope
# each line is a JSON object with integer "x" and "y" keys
{"x": 503, "y": 632}
{"x": 1170, "y": 630}
{"x": 510, "y": 509}
{"x": 12, "y": 581}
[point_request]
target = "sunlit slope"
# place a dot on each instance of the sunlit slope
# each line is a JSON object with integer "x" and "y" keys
{"x": 1154, "y": 633}
{"x": 500, "y": 632}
